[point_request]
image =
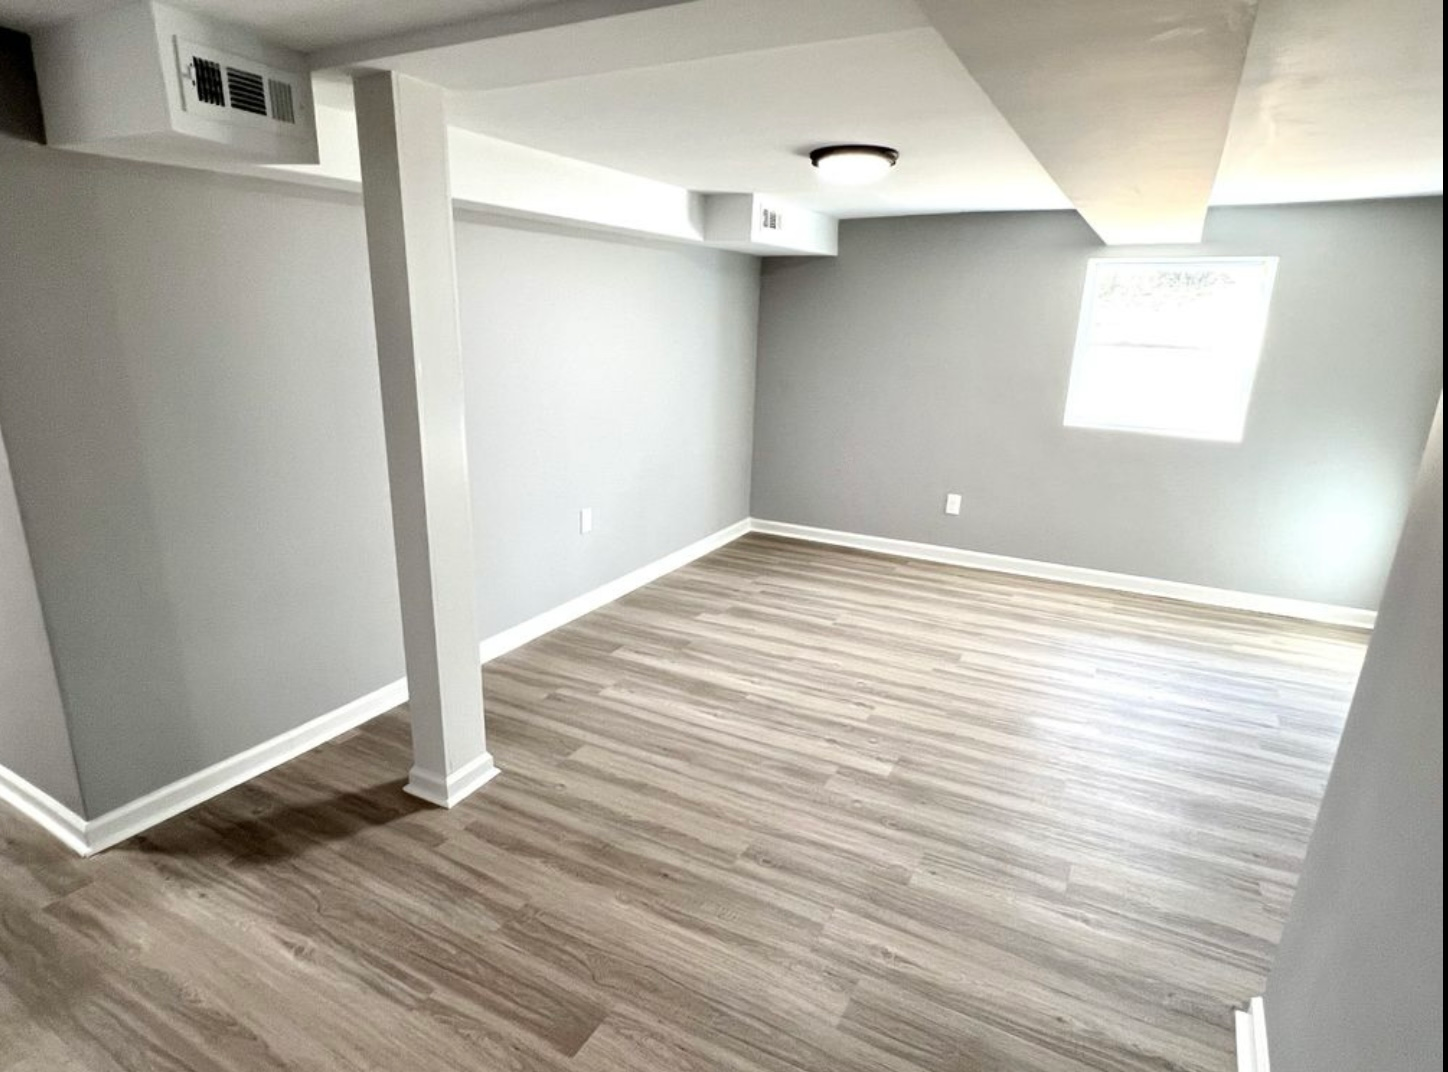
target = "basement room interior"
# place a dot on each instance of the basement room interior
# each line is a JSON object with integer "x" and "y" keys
{"x": 721, "y": 535}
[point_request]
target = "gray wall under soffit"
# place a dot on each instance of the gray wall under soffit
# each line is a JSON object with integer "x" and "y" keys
{"x": 189, "y": 393}
{"x": 934, "y": 355}
{"x": 190, "y": 400}
{"x": 1358, "y": 978}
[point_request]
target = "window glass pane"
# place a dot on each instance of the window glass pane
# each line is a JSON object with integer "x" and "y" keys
{"x": 1191, "y": 305}
{"x": 1170, "y": 346}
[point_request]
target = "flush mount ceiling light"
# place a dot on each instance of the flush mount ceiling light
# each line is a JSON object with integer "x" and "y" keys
{"x": 853, "y": 165}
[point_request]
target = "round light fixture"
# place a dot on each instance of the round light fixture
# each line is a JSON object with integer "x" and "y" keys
{"x": 853, "y": 165}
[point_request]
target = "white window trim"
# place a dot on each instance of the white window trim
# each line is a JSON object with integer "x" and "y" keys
{"x": 1087, "y": 318}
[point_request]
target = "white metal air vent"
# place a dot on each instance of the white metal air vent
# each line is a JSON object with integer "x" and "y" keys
{"x": 152, "y": 82}
{"x": 234, "y": 89}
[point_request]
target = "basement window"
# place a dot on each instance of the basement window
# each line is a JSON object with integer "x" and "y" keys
{"x": 1170, "y": 346}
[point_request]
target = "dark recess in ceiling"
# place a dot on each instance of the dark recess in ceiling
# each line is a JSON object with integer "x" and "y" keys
{"x": 19, "y": 96}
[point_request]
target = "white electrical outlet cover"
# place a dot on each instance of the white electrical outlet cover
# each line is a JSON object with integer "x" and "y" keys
{"x": 952, "y": 504}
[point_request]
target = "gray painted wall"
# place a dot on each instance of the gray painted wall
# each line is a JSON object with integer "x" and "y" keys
{"x": 934, "y": 355}
{"x": 189, "y": 393}
{"x": 34, "y": 742}
{"x": 190, "y": 399}
{"x": 605, "y": 374}
{"x": 1358, "y": 979}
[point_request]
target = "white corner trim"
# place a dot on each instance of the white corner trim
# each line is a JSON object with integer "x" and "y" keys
{"x": 535, "y": 627}
{"x": 91, "y": 836}
{"x": 1252, "y": 1055}
{"x": 40, "y": 807}
{"x": 144, "y": 812}
{"x": 1050, "y": 571}
{"x": 449, "y": 791}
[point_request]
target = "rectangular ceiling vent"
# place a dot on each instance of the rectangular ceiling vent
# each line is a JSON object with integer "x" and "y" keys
{"x": 234, "y": 89}
{"x": 145, "y": 80}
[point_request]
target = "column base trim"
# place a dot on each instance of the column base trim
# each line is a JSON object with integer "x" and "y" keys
{"x": 447, "y": 791}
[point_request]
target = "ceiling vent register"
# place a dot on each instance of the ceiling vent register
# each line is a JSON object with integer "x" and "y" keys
{"x": 147, "y": 81}
{"x": 234, "y": 89}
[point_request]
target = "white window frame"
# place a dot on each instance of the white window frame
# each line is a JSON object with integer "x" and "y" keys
{"x": 1255, "y": 335}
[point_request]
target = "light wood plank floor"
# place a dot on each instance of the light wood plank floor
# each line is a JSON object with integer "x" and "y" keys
{"x": 791, "y": 808}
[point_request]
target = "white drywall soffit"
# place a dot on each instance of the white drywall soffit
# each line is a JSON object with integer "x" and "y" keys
{"x": 505, "y": 179}
{"x": 497, "y": 177}
{"x": 752, "y": 223}
{"x": 1340, "y": 99}
{"x": 1125, "y": 102}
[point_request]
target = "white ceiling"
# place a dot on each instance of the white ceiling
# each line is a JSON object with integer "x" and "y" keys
{"x": 1338, "y": 99}
{"x": 666, "y": 34}
{"x": 746, "y": 122}
{"x": 304, "y": 25}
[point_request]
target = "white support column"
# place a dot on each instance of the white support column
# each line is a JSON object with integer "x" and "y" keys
{"x": 402, "y": 133}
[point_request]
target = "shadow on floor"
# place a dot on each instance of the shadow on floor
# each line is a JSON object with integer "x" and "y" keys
{"x": 268, "y": 829}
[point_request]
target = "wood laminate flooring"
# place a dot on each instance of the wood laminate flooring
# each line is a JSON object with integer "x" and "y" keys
{"x": 790, "y": 808}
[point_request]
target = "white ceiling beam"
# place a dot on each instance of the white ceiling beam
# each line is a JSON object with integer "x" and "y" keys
{"x": 1126, "y": 103}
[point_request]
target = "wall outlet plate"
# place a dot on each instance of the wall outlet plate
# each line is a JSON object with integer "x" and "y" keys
{"x": 585, "y": 521}
{"x": 952, "y": 504}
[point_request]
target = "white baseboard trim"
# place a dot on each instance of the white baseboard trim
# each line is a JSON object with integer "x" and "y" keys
{"x": 449, "y": 791}
{"x": 1050, "y": 571}
{"x": 1252, "y": 1055}
{"x": 91, "y": 836}
{"x": 43, "y": 809}
{"x": 509, "y": 639}
{"x": 144, "y": 812}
